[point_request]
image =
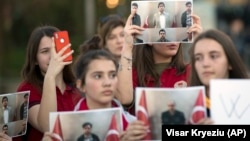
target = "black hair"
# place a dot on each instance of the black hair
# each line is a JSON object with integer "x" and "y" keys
{"x": 86, "y": 124}
{"x": 135, "y": 4}
{"x": 160, "y": 4}
{"x": 5, "y": 97}
{"x": 187, "y": 3}
{"x": 26, "y": 95}
{"x": 162, "y": 30}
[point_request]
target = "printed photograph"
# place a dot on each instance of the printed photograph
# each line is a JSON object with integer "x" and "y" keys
{"x": 169, "y": 106}
{"x": 230, "y": 105}
{"x": 94, "y": 125}
{"x": 164, "y": 21}
{"x": 14, "y": 113}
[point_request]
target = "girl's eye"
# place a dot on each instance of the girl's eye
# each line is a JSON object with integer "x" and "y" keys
{"x": 214, "y": 56}
{"x": 111, "y": 37}
{"x": 97, "y": 76}
{"x": 197, "y": 58}
{"x": 113, "y": 75}
{"x": 45, "y": 51}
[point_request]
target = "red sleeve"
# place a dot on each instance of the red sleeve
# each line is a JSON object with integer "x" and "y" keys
{"x": 35, "y": 94}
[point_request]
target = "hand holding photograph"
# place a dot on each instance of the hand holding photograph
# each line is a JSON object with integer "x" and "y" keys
{"x": 14, "y": 113}
{"x": 164, "y": 21}
{"x": 98, "y": 125}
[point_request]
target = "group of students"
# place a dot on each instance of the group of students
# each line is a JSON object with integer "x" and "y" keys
{"x": 109, "y": 68}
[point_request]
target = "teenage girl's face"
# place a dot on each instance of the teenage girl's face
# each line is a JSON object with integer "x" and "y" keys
{"x": 114, "y": 41}
{"x": 100, "y": 82}
{"x": 164, "y": 51}
{"x": 210, "y": 61}
{"x": 43, "y": 54}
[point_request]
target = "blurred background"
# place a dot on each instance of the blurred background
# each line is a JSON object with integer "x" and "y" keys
{"x": 81, "y": 17}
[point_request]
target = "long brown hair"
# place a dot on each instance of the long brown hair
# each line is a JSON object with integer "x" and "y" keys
{"x": 143, "y": 62}
{"x": 238, "y": 70}
{"x": 31, "y": 71}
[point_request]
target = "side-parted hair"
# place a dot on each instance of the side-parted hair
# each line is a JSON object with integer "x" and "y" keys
{"x": 143, "y": 62}
{"x": 238, "y": 70}
{"x": 93, "y": 52}
{"x": 31, "y": 71}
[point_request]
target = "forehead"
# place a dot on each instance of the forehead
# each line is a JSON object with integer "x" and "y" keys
{"x": 117, "y": 30}
{"x": 101, "y": 65}
{"x": 45, "y": 42}
{"x": 207, "y": 45}
{"x": 87, "y": 126}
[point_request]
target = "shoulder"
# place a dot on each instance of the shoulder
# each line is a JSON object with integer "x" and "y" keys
{"x": 23, "y": 86}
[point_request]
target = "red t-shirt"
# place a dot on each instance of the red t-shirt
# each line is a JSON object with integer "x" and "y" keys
{"x": 65, "y": 102}
{"x": 168, "y": 79}
{"x": 83, "y": 106}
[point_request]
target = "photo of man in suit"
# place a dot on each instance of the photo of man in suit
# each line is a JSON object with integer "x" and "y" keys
{"x": 162, "y": 34}
{"x": 87, "y": 133}
{"x": 6, "y": 112}
{"x": 172, "y": 116}
{"x": 161, "y": 19}
{"x": 186, "y": 19}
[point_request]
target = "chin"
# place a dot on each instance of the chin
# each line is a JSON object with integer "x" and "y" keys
{"x": 106, "y": 100}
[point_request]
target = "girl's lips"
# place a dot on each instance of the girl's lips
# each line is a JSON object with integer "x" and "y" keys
{"x": 206, "y": 73}
{"x": 107, "y": 92}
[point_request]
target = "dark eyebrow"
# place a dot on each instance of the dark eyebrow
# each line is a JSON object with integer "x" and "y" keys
{"x": 46, "y": 48}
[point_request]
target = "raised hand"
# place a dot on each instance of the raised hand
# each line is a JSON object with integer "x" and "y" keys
{"x": 56, "y": 61}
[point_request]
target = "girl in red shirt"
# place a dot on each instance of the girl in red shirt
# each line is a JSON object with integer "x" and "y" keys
{"x": 214, "y": 56}
{"x": 49, "y": 80}
{"x": 96, "y": 72}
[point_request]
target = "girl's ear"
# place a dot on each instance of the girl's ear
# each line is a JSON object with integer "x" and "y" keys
{"x": 79, "y": 85}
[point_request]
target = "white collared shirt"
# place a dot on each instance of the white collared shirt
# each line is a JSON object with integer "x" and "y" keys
{"x": 162, "y": 20}
{"x": 5, "y": 115}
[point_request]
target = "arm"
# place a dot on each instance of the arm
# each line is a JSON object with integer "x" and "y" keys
{"x": 125, "y": 83}
{"x": 39, "y": 114}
